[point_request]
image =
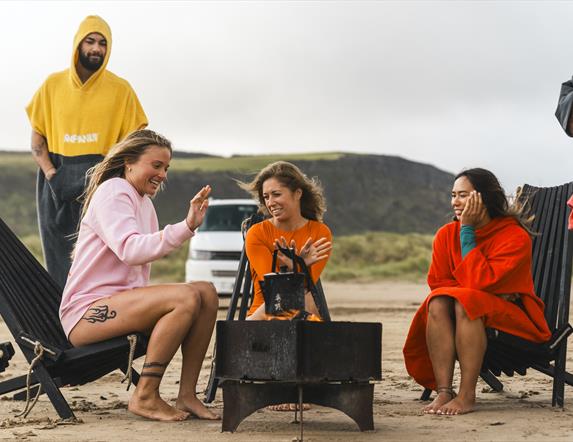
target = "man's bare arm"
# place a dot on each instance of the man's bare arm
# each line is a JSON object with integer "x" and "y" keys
{"x": 40, "y": 154}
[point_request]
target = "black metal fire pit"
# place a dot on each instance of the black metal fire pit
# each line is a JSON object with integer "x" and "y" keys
{"x": 263, "y": 363}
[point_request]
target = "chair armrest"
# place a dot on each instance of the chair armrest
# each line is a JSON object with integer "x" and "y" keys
{"x": 545, "y": 349}
{"x": 29, "y": 343}
{"x": 559, "y": 336}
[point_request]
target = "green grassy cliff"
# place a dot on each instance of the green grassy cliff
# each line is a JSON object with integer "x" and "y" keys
{"x": 382, "y": 210}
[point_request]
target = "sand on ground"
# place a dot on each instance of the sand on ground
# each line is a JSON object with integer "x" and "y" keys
{"x": 521, "y": 412}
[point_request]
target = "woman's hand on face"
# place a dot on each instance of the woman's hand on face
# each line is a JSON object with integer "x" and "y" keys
{"x": 475, "y": 212}
{"x": 198, "y": 207}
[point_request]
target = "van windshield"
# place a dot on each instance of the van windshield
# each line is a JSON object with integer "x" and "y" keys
{"x": 226, "y": 218}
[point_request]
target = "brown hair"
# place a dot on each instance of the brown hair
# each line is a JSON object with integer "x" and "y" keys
{"x": 125, "y": 152}
{"x": 494, "y": 199}
{"x": 312, "y": 202}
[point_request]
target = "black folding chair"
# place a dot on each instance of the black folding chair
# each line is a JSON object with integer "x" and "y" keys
{"x": 552, "y": 261}
{"x": 29, "y": 304}
{"x": 244, "y": 290}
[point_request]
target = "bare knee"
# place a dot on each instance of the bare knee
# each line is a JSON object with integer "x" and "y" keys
{"x": 440, "y": 308}
{"x": 188, "y": 299}
{"x": 209, "y": 296}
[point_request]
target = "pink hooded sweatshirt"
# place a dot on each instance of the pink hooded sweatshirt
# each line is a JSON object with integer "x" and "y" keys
{"x": 119, "y": 237}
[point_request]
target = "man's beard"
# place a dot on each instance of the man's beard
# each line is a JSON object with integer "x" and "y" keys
{"x": 89, "y": 64}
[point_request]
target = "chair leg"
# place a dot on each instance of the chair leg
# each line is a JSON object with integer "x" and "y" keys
{"x": 211, "y": 390}
{"x": 234, "y": 301}
{"x": 426, "y": 394}
{"x": 22, "y": 395}
{"x": 135, "y": 377}
{"x": 16, "y": 383}
{"x": 58, "y": 400}
{"x": 559, "y": 377}
{"x": 550, "y": 370}
{"x": 491, "y": 380}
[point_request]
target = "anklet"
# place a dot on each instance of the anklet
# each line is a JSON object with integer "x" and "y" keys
{"x": 448, "y": 390}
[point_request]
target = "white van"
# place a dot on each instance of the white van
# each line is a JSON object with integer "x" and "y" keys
{"x": 215, "y": 250}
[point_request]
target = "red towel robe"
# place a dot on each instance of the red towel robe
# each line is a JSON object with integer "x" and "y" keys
{"x": 499, "y": 264}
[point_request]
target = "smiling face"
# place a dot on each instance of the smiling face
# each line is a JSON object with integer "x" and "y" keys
{"x": 460, "y": 194}
{"x": 92, "y": 51}
{"x": 149, "y": 171}
{"x": 282, "y": 203}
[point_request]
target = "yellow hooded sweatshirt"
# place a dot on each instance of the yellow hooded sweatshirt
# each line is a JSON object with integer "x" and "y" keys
{"x": 85, "y": 118}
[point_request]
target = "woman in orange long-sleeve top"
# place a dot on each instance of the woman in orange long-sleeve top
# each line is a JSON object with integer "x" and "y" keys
{"x": 294, "y": 205}
{"x": 480, "y": 277}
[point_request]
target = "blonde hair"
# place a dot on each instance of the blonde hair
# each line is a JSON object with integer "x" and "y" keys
{"x": 312, "y": 202}
{"x": 113, "y": 165}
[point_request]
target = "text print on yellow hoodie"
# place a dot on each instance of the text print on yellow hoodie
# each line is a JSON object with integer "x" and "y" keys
{"x": 85, "y": 118}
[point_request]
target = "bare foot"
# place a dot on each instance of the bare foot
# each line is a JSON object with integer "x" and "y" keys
{"x": 196, "y": 408}
{"x": 444, "y": 396}
{"x": 153, "y": 407}
{"x": 458, "y": 405}
{"x": 288, "y": 407}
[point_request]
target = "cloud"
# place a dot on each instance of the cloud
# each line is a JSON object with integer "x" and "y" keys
{"x": 454, "y": 84}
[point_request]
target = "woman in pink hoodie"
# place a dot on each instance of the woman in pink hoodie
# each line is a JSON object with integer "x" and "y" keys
{"x": 107, "y": 292}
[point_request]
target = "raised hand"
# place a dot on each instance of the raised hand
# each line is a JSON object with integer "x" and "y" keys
{"x": 475, "y": 212}
{"x": 197, "y": 208}
{"x": 311, "y": 252}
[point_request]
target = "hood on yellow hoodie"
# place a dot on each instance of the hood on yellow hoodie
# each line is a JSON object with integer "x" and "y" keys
{"x": 92, "y": 23}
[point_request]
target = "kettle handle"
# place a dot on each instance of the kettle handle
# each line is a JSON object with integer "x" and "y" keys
{"x": 288, "y": 252}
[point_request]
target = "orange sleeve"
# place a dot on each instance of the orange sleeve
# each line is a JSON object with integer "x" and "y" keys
{"x": 259, "y": 252}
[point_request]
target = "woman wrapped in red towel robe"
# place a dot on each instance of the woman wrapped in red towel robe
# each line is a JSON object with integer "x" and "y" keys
{"x": 480, "y": 277}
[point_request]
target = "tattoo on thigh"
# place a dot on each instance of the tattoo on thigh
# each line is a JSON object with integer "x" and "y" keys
{"x": 100, "y": 313}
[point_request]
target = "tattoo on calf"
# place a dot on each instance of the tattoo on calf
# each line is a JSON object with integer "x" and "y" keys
{"x": 151, "y": 375}
{"x": 101, "y": 313}
{"x": 154, "y": 364}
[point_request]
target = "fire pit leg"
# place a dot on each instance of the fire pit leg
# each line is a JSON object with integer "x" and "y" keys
{"x": 241, "y": 399}
{"x": 353, "y": 399}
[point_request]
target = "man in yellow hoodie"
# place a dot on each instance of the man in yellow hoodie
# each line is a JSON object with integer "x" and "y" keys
{"x": 76, "y": 116}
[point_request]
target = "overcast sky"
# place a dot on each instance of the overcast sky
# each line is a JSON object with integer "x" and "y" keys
{"x": 454, "y": 84}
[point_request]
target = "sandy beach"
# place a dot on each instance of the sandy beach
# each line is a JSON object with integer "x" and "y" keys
{"x": 521, "y": 412}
